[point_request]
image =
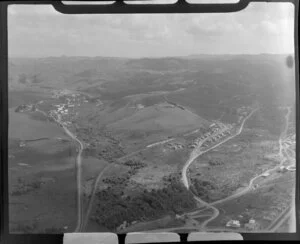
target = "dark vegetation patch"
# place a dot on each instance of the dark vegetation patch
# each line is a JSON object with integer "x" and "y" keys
{"x": 113, "y": 208}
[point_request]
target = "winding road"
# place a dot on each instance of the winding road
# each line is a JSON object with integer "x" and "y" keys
{"x": 91, "y": 201}
{"x": 250, "y": 185}
{"x": 195, "y": 154}
{"x": 79, "y": 180}
{"x": 82, "y": 222}
{"x": 79, "y": 224}
{"x": 274, "y": 225}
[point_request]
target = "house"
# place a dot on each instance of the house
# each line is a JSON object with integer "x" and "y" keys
{"x": 212, "y": 125}
{"x": 140, "y": 106}
{"x": 252, "y": 221}
{"x": 251, "y": 225}
{"x": 122, "y": 226}
{"x": 233, "y": 223}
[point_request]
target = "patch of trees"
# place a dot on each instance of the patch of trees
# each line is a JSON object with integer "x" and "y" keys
{"x": 22, "y": 78}
{"x": 93, "y": 137}
{"x": 36, "y": 79}
{"x": 23, "y": 187}
{"x": 115, "y": 180}
{"x": 215, "y": 162}
{"x": 54, "y": 230}
{"x": 110, "y": 153}
{"x": 21, "y": 108}
{"x": 202, "y": 188}
{"x": 25, "y": 228}
{"x": 114, "y": 208}
{"x": 135, "y": 164}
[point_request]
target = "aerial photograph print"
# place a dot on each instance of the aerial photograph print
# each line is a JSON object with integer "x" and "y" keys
{"x": 152, "y": 122}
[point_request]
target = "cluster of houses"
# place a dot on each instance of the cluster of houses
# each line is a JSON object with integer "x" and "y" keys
{"x": 99, "y": 103}
{"x": 251, "y": 225}
{"x": 25, "y": 108}
{"x": 216, "y": 131}
{"x": 125, "y": 224}
{"x": 175, "y": 145}
{"x": 283, "y": 169}
{"x": 62, "y": 108}
{"x": 243, "y": 112}
{"x": 22, "y": 144}
{"x": 59, "y": 93}
{"x": 68, "y": 107}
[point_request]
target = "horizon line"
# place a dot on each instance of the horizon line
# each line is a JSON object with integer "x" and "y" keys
{"x": 152, "y": 57}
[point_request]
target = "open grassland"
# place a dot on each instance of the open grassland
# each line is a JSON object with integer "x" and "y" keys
{"x": 42, "y": 187}
{"x": 91, "y": 168}
{"x": 155, "y": 123}
{"x": 269, "y": 118}
{"x": 99, "y": 116}
{"x": 22, "y": 126}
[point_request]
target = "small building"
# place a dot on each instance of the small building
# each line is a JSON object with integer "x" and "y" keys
{"x": 291, "y": 168}
{"x": 177, "y": 216}
{"x": 122, "y": 226}
{"x": 266, "y": 174}
{"x": 251, "y": 225}
{"x": 22, "y": 144}
{"x": 252, "y": 221}
{"x": 140, "y": 106}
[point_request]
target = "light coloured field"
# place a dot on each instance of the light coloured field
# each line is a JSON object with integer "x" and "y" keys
{"x": 22, "y": 127}
{"x": 160, "y": 118}
{"x": 152, "y": 177}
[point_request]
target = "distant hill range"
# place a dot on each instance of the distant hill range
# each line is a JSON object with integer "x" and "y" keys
{"x": 110, "y": 77}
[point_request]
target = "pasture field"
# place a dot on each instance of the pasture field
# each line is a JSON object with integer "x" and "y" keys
{"x": 264, "y": 204}
{"x": 42, "y": 188}
{"x": 17, "y": 97}
{"x": 153, "y": 124}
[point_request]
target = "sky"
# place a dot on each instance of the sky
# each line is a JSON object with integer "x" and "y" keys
{"x": 41, "y": 31}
